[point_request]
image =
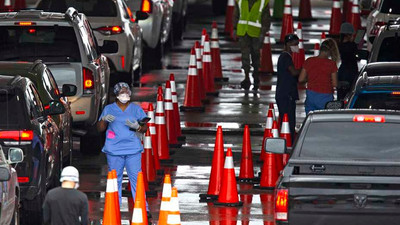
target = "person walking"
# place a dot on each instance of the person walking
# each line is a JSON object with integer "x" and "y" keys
{"x": 320, "y": 74}
{"x": 286, "y": 88}
{"x": 251, "y": 19}
{"x": 348, "y": 69}
{"x": 65, "y": 205}
{"x": 123, "y": 147}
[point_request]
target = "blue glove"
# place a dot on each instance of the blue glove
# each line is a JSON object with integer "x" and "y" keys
{"x": 132, "y": 125}
{"x": 108, "y": 118}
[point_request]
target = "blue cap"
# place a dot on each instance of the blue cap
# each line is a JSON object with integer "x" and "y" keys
{"x": 119, "y": 86}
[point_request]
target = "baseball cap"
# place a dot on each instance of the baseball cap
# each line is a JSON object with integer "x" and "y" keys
{"x": 291, "y": 37}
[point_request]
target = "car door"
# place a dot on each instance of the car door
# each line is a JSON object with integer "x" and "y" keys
{"x": 7, "y": 198}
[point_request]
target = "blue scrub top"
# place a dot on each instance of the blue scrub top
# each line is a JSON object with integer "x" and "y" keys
{"x": 119, "y": 139}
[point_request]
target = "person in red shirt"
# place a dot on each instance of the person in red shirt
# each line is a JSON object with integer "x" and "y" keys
{"x": 320, "y": 74}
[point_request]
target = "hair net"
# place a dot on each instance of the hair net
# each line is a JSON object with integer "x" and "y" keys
{"x": 119, "y": 86}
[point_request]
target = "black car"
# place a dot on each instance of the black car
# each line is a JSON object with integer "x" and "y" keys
{"x": 26, "y": 124}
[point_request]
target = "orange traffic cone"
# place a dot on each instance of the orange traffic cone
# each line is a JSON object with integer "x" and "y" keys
{"x": 268, "y": 129}
{"x": 216, "y": 68}
{"x": 266, "y": 56}
{"x": 199, "y": 64}
{"x": 228, "y": 195}
{"x": 316, "y": 49}
{"x": 139, "y": 216}
{"x": 355, "y": 19}
{"x": 269, "y": 172}
{"x": 192, "y": 98}
{"x": 300, "y": 57}
{"x": 279, "y": 158}
{"x": 336, "y": 18}
{"x": 287, "y": 22}
{"x": 230, "y": 7}
{"x": 170, "y": 117}
{"x": 112, "y": 214}
{"x": 165, "y": 201}
{"x": 203, "y": 40}
{"x": 217, "y": 169}
{"x": 246, "y": 174}
{"x": 7, "y": 6}
{"x": 161, "y": 129}
{"x": 323, "y": 37}
{"x": 285, "y": 133}
{"x": 149, "y": 193}
{"x": 174, "y": 216}
{"x": 305, "y": 10}
{"x": 349, "y": 7}
{"x": 149, "y": 158}
{"x": 177, "y": 117}
{"x": 152, "y": 128}
{"x": 207, "y": 75}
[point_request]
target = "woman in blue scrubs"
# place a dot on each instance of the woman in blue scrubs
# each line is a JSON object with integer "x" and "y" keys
{"x": 123, "y": 146}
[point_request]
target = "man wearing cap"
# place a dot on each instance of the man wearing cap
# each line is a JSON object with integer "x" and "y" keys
{"x": 251, "y": 20}
{"x": 286, "y": 88}
{"x": 65, "y": 205}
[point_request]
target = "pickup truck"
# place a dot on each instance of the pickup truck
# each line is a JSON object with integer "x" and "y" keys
{"x": 344, "y": 169}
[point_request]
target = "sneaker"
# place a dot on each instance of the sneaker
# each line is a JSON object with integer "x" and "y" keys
{"x": 245, "y": 84}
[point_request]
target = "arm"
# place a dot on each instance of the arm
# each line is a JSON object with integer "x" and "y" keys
{"x": 295, "y": 72}
{"x": 303, "y": 76}
{"x": 101, "y": 126}
{"x": 265, "y": 20}
{"x": 334, "y": 79}
{"x": 142, "y": 129}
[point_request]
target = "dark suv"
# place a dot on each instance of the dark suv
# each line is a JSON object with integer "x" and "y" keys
{"x": 25, "y": 123}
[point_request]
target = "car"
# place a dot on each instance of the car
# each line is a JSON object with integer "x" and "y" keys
{"x": 10, "y": 191}
{"x": 179, "y": 14}
{"x": 48, "y": 91}
{"x": 26, "y": 124}
{"x": 343, "y": 169}
{"x": 66, "y": 44}
{"x": 385, "y": 46}
{"x": 383, "y": 11}
{"x": 118, "y": 36}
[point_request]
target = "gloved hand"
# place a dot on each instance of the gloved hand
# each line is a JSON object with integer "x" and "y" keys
{"x": 108, "y": 118}
{"x": 133, "y": 125}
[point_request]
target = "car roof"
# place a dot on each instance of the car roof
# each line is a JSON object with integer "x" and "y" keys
{"x": 382, "y": 69}
{"x": 9, "y": 82}
{"x": 343, "y": 115}
{"x": 25, "y": 69}
{"x": 40, "y": 16}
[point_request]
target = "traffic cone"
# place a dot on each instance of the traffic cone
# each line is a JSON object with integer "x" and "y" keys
{"x": 355, "y": 19}
{"x": 7, "y": 6}
{"x": 149, "y": 193}
{"x": 217, "y": 169}
{"x": 174, "y": 216}
{"x": 161, "y": 130}
{"x": 207, "y": 61}
{"x": 269, "y": 172}
{"x": 316, "y": 49}
{"x": 192, "y": 97}
{"x": 305, "y": 10}
{"x": 149, "y": 158}
{"x": 323, "y": 37}
{"x": 300, "y": 57}
{"x": 177, "y": 117}
{"x": 287, "y": 22}
{"x": 285, "y": 133}
{"x": 267, "y": 131}
{"x": 165, "y": 201}
{"x": 246, "y": 174}
{"x": 266, "y": 56}
{"x": 19, "y": 4}
{"x": 216, "y": 68}
{"x": 278, "y": 9}
{"x": 336, "y": 18}
{"x": 139, "y": 216}
{"x": 203, "y": 40}
{"x": 230, "y": 7}
{"x": 112, "y": 214}
{"x": 199, "y": 63}
{"x": 228, "y": 195}
{"x": 170, "y": 118}
{"x": 152, "y": 128}
{"x": 275, "y": 134}
{"x": 349, "y": 7}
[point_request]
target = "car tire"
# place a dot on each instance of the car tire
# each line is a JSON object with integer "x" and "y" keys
{"x": 219, "y": 6}
{"x": 16, "y": 218}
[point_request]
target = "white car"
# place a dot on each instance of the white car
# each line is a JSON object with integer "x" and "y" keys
{"x": 383, "y": 11}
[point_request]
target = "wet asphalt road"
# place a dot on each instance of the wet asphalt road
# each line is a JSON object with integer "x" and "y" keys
{"x": 232, "y": 109}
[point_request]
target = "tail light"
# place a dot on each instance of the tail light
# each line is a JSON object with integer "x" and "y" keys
{"x": 146, "y": 6}
{"x": 17, "y": 135}
{"x": 88, "y": 79}
{"x": 23, "y": 180}
{"x": 110, "y": 30}
{"x": 25, "y": 23}
{"x": 376, "y": 27}
{"x": 281, "y": 204}
{"x": 369, "y": 118}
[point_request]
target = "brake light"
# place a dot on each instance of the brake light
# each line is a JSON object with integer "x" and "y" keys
{"x": 396, "y": 93}
{"x": 23, "y": 179}
{"x": 369, "y": 118}
{"x": 17, "y": 135}
{"x": 110, "y": 30}
{"x": 80, "y": 112}
{"x": 123, "y": 62}
{"x": 32, "y": 31}
{"x": 376, "y": 27}
{"x": 25, "y": 23}
{"x": 88, "y": 79}
{"x": 146, "y": 6}
{"x": 281, "y": 204}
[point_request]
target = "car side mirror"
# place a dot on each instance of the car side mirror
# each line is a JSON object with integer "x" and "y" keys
{"x": 334, "y": 105}
{"x": 141, "y": 15}
{"x": 69, "y": 90}
{"x": 276, "y": 145}
{"x": 15, "y": 155}
{"x": 54, "y": 108}
{"x": 4, "y": 174}
{"x": 363, "y": 54}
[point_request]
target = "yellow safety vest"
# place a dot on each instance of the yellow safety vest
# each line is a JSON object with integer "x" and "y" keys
{"x": 250, "y": 22}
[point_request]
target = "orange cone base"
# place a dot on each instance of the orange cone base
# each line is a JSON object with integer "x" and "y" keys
{"x": 208, "y": 198}
{"x": 221, "y": 79}
{"x": 215, "y": 93}
{"x": 192, "y": 109}
{"x": 235, "y": 204}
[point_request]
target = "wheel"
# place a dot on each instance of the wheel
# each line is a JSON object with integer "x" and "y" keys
{"x": 219, "y": 6}
{"x": 15, "y": 219}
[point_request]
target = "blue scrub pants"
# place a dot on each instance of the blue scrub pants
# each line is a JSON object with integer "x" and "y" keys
{"x": 133, "y": 164}
{"x": 316, "y": 101}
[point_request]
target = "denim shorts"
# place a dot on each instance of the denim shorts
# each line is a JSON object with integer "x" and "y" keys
{"x": 316, "y": 101}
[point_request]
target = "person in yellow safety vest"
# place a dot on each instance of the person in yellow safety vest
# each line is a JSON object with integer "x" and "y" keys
{"x": 251, "y": 20}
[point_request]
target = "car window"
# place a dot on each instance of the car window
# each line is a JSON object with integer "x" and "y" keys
{"x": 11, "y": 108}
{"x": 125, "y": 11}
{"x": 389, "y": 50}
{"x": 34, "y": 103}
{"x": 390, "y": 6}
{"x": 49, "y": 43}
{"x": 50, "y": 84}
{"x": 91, "y": 8}
{"x": 377, "y": 101}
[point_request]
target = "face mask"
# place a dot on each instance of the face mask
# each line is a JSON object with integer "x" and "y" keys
{"x": 124, "y": 98}
{"x": 295, "y": 49}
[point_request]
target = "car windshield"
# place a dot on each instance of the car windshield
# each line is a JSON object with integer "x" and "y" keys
{"x": 352, "y": 141}
{"x": 389, "y": 50}
{"x": 29, "y": 43}
{"x": 391, "y": 6}
{"x": 91, "y": 8}
{"x": 372, "y": 100}
{"x": 11, "y": 108}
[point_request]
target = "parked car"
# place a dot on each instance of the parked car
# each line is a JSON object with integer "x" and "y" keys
{"x": 386, "y": 46}
{"x": 10, "y": 190}
{"x": 48, "y": 91}
{"x": 26, "y": 124}
{"x": 343, "y": 169}
{"x": 66, "y": 43}
{"x": 118, "y": 36}
{"x": 179, "y": 13}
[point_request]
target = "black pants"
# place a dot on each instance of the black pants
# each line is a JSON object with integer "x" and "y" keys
{"x": 287, "y": 105}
